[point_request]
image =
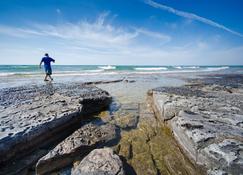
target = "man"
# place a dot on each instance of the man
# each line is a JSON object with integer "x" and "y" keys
{"x": 47, "y": 65}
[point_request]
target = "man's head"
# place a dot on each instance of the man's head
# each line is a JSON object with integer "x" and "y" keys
{"x": 46, "y": 54}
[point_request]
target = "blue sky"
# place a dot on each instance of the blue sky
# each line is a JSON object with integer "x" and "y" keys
{"x": 137, "y": 32}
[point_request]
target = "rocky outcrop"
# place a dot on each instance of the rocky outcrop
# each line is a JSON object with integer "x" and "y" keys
{"x": 100, "y": 162}
{"x": 34, "y": 116}
{"x": 76, "y": 146}
{"x": 206, "y": 120}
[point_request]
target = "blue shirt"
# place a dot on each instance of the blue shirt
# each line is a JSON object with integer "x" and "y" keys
{"x": 47, "y": 61}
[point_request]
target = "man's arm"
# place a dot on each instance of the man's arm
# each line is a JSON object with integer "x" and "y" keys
{"x": 53, "y": 60}
{"x": 40, "y": 63}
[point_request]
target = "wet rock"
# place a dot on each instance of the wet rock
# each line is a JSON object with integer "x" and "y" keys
{"x": 127, "y": 122}
{"x": 223, "y": 80}
{"x": 104, "y": 82}
{"x": 77, "y": 145}
{"x": 100, "y": 162}
{"x": 151, "y": 149}
{"x": 33, "y": 116}
{"x": 206, "y": 120}
{"x": 109, "y": 81}
{"x": 127, "y": 117}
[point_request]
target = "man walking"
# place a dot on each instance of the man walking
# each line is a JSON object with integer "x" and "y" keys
{"x": 47, "y": 65}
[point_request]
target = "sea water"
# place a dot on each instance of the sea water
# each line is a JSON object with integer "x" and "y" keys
{"x": 64, "y": 70}
{"x": 145, "y": 77}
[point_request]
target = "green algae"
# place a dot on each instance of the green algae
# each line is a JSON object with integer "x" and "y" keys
{"x": 150, "y": 148}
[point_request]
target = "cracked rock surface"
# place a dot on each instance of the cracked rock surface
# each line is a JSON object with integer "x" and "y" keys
{"x": 34, "y": 115}
{"x": 206, "y": 117}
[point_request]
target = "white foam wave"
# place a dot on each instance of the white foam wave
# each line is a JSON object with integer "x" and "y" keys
{"x": 178, "y": 67}
{"x": 191, "y": 67}
{"x": 6, "y": 74}
{"x": 150, "y": 68}
{"x": 107, "y": 67}
{"x": 82, "y": 71}
{"x": 96, "y": 70}
{"x": 216, "y": 68}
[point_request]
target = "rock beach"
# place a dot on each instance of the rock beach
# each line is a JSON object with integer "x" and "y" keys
{"x": 34, "y": 116}
{"x": 206, "y": 119}
{"x": 63, "y": 129}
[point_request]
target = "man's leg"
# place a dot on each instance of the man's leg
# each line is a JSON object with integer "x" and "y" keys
{"x": 50, "y": 77}
{"x": 46, "y": 78}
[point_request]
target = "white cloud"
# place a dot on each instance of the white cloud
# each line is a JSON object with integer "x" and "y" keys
{"x": 100, "y": 42}
{"x": 18, "y": 32}
{"x": 156, "y": 35}
{"x": 191, "y": 16}
{"x": 98, "y": 34}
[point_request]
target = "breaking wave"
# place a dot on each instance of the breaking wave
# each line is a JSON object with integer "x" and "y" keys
{"x": 150, "y": 68}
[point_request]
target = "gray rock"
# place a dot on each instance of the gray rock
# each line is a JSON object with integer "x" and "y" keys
{"x": 229, "y": 153}
{"x": 165, "y": 107}
{"x": 100, "y": 162}
{"x": 32, "y": 116}
{"x": 216, "y": 172}
{"x": 77, "y": 145}
{"x": 206, "y": 120}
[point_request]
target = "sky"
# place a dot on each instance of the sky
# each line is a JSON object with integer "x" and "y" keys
{"x": 122, "y": 32}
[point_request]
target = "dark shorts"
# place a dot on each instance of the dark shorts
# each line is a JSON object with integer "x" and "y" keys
{"x": 48, "y": 70}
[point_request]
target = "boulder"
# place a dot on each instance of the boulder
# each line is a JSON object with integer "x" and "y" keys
{"x": 100, "y": 162}
{"x": 76, "y": 146}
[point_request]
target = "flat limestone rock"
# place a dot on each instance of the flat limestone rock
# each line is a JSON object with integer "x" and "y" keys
{"x": 77, "y": 145}
{"x": 206, "y": 120}
{"x": 100, "y": 162}
{"x": 34, "y": 115}
{"x": 228, "y": 153}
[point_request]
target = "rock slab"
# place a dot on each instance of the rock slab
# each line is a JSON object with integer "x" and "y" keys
{"x": 207, "y": 121}
{"x": 76, "y": 146}
{"x": 35, "y": 115}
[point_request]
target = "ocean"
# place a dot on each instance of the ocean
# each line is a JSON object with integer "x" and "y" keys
{"x": 76, "y": 70}
{"x": 145, "y": 77}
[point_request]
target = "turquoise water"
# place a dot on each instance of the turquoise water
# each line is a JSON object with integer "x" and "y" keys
{"x": 65, "y": 70}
